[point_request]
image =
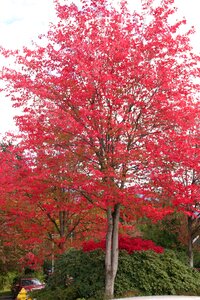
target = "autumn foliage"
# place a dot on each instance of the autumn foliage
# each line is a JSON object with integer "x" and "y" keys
{"x": 109, "y": 124}
{"x": 125, "y": 243}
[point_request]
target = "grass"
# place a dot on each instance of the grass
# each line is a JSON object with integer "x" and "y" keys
{"x": 5, "y": 293}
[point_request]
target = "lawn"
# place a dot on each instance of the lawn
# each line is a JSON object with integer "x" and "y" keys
{"x": 5, "y": 293}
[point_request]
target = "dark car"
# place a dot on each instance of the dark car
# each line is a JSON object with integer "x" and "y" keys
{"x": 29, "y": 284}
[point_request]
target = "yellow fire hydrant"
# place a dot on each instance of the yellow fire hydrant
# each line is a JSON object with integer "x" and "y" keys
{"x": 22, "y": 295}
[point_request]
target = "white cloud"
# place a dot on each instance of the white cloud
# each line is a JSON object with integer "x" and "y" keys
{"x": 23, "y": 20}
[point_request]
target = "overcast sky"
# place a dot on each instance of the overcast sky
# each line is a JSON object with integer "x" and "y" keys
{"x": 23, "y": 20}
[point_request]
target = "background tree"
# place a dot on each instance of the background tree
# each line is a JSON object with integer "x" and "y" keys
{"x": 33, "y": 200}
{"x": 165, "y": 232}
{"x": 179, "y": 182}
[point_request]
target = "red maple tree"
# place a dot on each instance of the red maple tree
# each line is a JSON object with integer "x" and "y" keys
{"x": 105, "y": 91}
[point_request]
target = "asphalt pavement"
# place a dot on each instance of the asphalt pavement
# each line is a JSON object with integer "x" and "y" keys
{"x": 6, "y": 298}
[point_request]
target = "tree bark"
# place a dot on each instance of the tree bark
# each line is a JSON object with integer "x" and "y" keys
{"x": 112, "y": 250}
{"x": 190, "y": 242}
{"x": 62, "y": 217}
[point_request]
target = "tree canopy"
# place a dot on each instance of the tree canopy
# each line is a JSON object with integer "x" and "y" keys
{"x": 109, "y": 101}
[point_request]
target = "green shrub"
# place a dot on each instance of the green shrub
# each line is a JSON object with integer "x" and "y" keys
{"x": 196, "y": 258}
{"x": 153, "y": 274}
{"x": 58, "y": 293}
{"x": 82, "y": 270}
{"x": 81, "y": 275}
{"x": 185, "y": 279}
{"x": 42, "y": 295}
{"x": 6, "y": 280}
{"x": 142, "y": 272}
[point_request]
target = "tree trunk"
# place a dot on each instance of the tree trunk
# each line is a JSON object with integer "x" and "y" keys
{"x": 62, "y": 224}
{"x": 190, "y": 242}
{"x": 62, "y": 220}
{"x": 112, "y": 251}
